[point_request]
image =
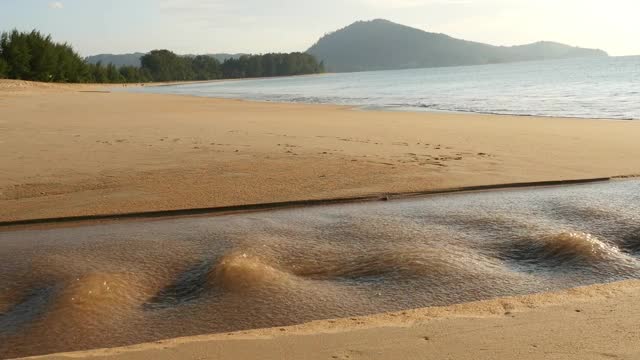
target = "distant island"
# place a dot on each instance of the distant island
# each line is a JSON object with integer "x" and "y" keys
{"x": 384, "y": 45}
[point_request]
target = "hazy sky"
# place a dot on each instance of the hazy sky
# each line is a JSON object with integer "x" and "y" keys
{"x": 208, "y": 26}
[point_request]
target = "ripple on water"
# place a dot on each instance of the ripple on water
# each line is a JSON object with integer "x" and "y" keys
{"x": 124, "y": 283}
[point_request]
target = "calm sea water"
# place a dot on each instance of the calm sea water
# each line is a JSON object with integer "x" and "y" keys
{"x": 587, "y": 88}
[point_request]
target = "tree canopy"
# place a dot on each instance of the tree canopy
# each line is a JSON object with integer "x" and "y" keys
{"x": 164, "y": 65}
{"x": 34, "y": 56}
{"x": 271, "y": 65}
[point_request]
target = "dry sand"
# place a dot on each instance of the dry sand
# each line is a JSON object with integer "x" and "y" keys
{"x": 65, "y": 151}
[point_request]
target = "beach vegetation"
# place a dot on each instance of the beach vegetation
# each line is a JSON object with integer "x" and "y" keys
{"x": 268, "y": 65}
{"x": 4, "y": 67}
{"x": 35, "y": 56}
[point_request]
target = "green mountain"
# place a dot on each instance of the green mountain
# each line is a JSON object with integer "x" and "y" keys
{"x": 384, "y": 45}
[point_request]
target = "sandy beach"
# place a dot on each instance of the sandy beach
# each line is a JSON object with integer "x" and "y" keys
{"x": 68, "y": 152}
{"x": 72, "y": 150}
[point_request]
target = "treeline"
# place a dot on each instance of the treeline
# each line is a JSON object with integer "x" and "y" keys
{"x": 163, "y": 65}
{"x": 271, "y": 65}
{"x": 34, "y": 56}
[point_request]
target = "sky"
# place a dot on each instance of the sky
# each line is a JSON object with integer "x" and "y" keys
{"x": 259, "y": 26}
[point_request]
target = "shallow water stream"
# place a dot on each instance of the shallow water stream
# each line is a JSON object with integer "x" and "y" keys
{"x": 120, "y": 283}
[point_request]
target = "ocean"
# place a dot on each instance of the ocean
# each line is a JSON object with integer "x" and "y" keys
{"x": 603, "y": 88}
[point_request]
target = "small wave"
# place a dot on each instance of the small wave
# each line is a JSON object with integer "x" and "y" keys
{"x": 240, "y": 271}
{"x": 565, "y": 249}
{"x": 90, "y": 299}
{"x": 243, "y": 270}
{"x": 568, "y": 246}
{"x": 97, "y": 291}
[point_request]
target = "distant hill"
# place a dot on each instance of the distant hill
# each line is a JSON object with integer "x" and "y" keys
{"x": 384, "y": 45}
{"x": 134, "y": 59}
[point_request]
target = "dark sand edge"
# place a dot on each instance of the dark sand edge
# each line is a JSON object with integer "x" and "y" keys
{"x": 239, "y": 209}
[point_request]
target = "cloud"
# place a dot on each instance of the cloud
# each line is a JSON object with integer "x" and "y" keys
{"x": 56, "y": 5}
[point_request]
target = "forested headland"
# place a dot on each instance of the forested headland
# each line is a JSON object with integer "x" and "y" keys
{"x": 383, "y": 45}
{"x": 35, "y": 56}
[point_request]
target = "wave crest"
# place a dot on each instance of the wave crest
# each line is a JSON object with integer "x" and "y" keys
{"x": 98, "y": 290}
{"x": 565, "y": 249}
{"x": 240, "y": 271}
{"x": 572, "y": 245}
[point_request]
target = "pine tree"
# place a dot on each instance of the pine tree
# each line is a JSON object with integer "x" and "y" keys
{"x": 17, "y": 54}
{"x": 4, "y": 68}
{"x": 43, "y": 59}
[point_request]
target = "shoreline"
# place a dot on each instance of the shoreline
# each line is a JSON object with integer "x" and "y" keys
{"x": 527, "y": 327}
{"x": 374, "y": 108}
{"x": 381, "y": 108}
{"x": 389, "y": 108}
{"x": 437, "y": 111}
{"x": 250, "y": 208}
{"x": 114, "y": 88}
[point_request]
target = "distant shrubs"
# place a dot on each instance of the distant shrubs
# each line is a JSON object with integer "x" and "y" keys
{"x": 271, "y": 65}
{"x": 132, "y": 74}
{"x": 34, "y": 56}
{"x": 204, "y": 68}
{"x": 163, "y": 65}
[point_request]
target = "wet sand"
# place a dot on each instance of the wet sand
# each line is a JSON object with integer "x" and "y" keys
{"x": 69, "y": 152}
{"x": 66, "y": 152}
